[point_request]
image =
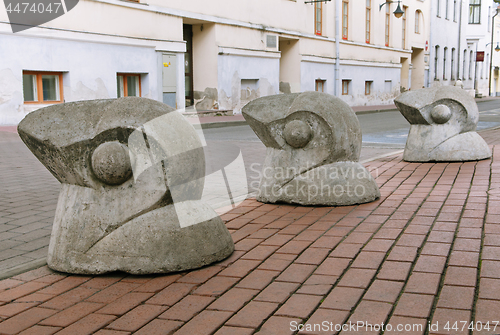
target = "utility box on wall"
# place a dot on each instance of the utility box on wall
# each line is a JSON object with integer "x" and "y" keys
{"x": 169, "y": 79}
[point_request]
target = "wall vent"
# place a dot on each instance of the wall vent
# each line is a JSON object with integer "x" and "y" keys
{"x": 271, "y": 41}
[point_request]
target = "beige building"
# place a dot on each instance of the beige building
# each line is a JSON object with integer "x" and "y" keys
{"x": 215, "y": 54}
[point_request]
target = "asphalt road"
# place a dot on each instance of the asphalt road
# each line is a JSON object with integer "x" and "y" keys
{"x": 380, "y": 130}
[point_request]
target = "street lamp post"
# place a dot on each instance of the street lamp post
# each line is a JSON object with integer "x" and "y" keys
{"x": 398, "y": 12}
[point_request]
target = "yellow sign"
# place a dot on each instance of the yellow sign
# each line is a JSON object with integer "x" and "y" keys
{"x": 166, "y": 64}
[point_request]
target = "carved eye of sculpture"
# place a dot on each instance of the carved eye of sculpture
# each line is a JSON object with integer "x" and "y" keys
{"x": 111, "y": 163}
{"x": 297, "y": 133}
{"x": 441, "y": 114}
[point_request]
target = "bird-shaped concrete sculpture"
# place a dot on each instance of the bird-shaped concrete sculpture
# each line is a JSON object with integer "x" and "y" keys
{"x": 443, "y": 125}
{"x": 132, "y": 173}
{"x": 313, "y": 144}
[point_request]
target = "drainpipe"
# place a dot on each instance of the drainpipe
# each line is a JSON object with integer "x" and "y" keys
{"x": 491, "y": 52}
{"x": 337, "y": 48}
{"x": 431, "y": 50}
{"x": 459, "y": 64}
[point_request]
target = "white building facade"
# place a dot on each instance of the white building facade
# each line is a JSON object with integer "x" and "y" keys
{"x": 215, "y": 55}
{"x": 463, "y": 52}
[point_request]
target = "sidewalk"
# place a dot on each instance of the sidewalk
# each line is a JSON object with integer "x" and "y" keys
{"x": 427, "y": 251}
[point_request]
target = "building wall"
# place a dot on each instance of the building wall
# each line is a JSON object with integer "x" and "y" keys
{"x": 245, "y": 76}
{"x": 232, "y": 59}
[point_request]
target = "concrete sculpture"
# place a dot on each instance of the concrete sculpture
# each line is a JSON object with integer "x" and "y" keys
{"x": 132, "y": 173}
{"x": 443, "y": 123}
{"x": 313, "y": 144}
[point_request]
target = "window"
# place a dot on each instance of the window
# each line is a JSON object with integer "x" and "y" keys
{"x": 446, "y": 9}
{"x": 436, "y": 58}
{"x": 368, "y": 19}
{"x": 445, "y": 52}
{"x": 403, "y": 33}
{"x": 368, "y": 87}
{"x": 471, "y": 59}
{"x": 417, "y": 22}
{"x": 464, "y": 71}
{"x": 387, "y": 23}
{"x": 320, "y": 85}
{"x": 487, "y": 62}
{"x": 438, "y": 8}
{"x": 453, "y": 64}
{"x": 475, "y": 11}
{"x": 318, "y": 16}
{"x": 388, "y": 85}
{"x": 345, "y": 18}
{"x": 489, "y": 19}
{"x": 40, "y": 87}
{"x": 345, "y": 86}
{"x": 455, "y": 10}
{"x": 128, "y": 85}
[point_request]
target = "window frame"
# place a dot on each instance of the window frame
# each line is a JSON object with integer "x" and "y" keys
{"x": 368, "y": 13}
{"x": 39, "y": 87}
{"x": 436, "y": 62}
{"x": 403, "y": 24}
{"x": 417, "y": 21}
{"x": 345, "y": 86}
{"x": 125, "y": 83}
{"x": 453, "y": 51}
{"x": 345, "y": 19}
{"x": 317, "y": 83}
{"x": 318, "y": 5}
{"x": 474, "y": 8}
{"x": 387, "y": 23}
{"x": 368, "y": 87}
{"x": 445, "y": 52}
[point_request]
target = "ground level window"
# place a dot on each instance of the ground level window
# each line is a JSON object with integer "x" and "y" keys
{"x": 40, "y": 87}
{"x": 128, "y": 85}
{"x": 320, "y": 85}
{"x": 368, "y": 87}
{"x": 345, "y": 87}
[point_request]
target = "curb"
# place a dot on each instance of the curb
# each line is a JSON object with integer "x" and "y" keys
{"x": 34, "y": 264}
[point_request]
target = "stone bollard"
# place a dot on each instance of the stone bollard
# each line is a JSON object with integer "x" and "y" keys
{"x": 443, "y": 125}
{"x": 132, "y": 174}
{"x": 313, "y": 144}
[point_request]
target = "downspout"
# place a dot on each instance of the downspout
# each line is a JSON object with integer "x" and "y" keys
{"x": 337, "y": 49}
{"x": 491, "y": 52}
{"x": 459, "y": 64}
{"x": 431, "y": 48}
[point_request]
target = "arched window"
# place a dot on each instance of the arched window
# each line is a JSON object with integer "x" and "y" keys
{"x": 452, "y": 71}
{"x": 471, "y": 59}
{"x": 464, "y": 70}
{"x": 445, "y": 53}
{"x": 417, "y": 22}
{"x": 345, "y": 18}
{"x": 436, "y": 60}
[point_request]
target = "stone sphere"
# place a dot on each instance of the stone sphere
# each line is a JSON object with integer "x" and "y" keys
{"x": 441, "y": 114}
{"x": 297, "y": 133}
{"x": 111, "y": 163}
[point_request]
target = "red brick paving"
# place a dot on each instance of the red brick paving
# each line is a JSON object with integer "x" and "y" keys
{"x": 428, "y": 250}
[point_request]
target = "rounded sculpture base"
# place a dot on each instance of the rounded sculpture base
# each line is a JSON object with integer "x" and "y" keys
{"x": 159, "y": 241}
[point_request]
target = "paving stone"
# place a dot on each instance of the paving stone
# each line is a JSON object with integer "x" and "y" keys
{"x": 233, "y": 299}
{"x": 253, "y": 314}
{"x": 136, "y": 318}
{"x": 414, "y": 305}
{"x": 299, "y": 305}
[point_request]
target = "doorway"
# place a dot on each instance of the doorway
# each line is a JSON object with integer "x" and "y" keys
{"x": 188, "y": 63}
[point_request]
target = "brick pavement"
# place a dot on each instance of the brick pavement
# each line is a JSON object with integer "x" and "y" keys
{"x": 427, "y": 251}
{"x": 29, "y": 195}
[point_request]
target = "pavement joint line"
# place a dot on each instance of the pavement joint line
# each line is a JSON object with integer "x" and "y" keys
{"x": 374, "y": 278}
{"x": 483, "y": 234}
{"x": 419, "y": 252}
